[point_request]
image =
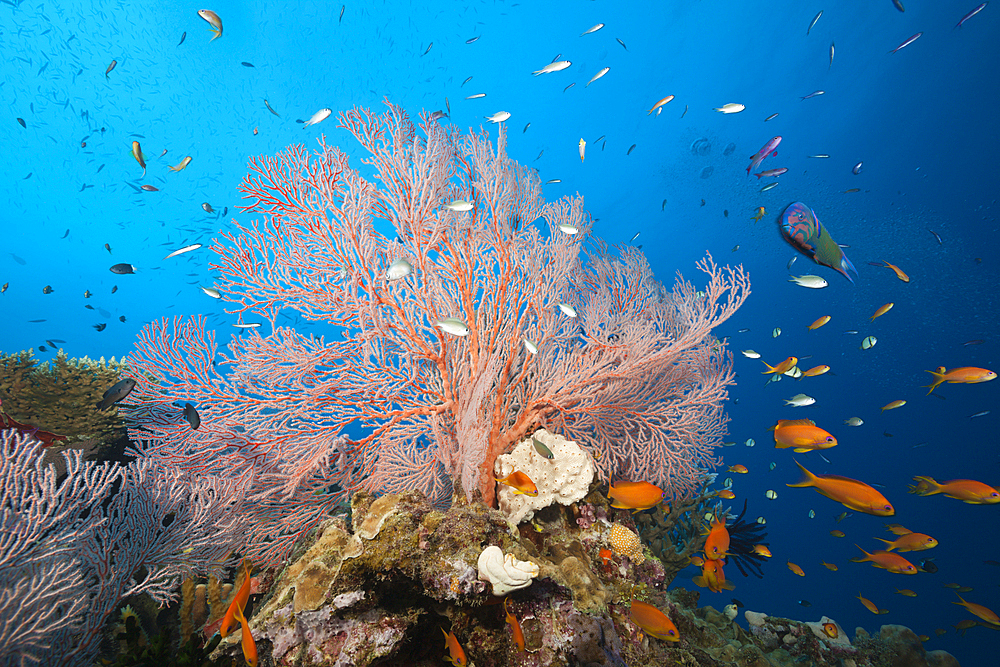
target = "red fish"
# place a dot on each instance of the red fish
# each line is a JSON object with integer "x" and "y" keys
{"x": 770, "y": 148}
{"x": 717, "y": 542}
{"x": 239, "y": 602}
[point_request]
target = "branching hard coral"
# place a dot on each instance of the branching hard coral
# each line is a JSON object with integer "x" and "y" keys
{"x": 60, "y": 395}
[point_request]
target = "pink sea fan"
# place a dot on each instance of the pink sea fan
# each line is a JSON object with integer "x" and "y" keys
{"x": 636, "y": 377}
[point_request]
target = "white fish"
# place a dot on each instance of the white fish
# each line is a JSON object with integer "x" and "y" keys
{"x": 583, "y": 147}
{"x": 317, "y": 117}
{"x": 181, "y": 251}
{"x": 251, "y": 325}
{"x": 498, "y": 117}
{"x": 597, "y": 76}
{"x": 399, "y": 269}
{"x": 771, "y": 494}
{"x": 761, "y": 520}
{"x": 459, "y": 205}
{"x": 476, "y": 96}
{"x": 211, "y": 291}
{"x": 592, "y": 29}
{"x": 731, "y": 108}
{"x": 800, "y": 400}
{"x": 769, "y": 186}
{"x": 553, "y": 180}
{"x": 793, "y": 372}
{"x": 868, "y": 343}
{"x": 854, "y": 421}
{"x": 750, "y": 354}
{"x": 568, "y": 229}
{"x": 567, "y": 310}
{"x": 454, "y": 326}
{"x": 776, "y": 332}
{"x": 557, "y": 66}
{"x": 530, "y": 347}
{"x": 750, "y": 442}
{"x": 810, "y": 281}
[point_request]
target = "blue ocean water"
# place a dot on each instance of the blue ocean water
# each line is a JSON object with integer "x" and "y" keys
{"x": 921, "y": 120}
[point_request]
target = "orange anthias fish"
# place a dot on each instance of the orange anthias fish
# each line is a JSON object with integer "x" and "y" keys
{"x": 738, "y": 468}
{"x": 910, "y": 542}
{"x": 966, "y": 490}
{"x": 653, "y": 621}
{"x": 760, "y": 214}
{"x": 831, "y": 630}
{"x": 520, "y": 482}
{"x": 239, "y": 601}
{"x": 830, "y": 566}
{"x": 816, "y": 370}
{"x": 762, "y": 550}
{"x": 849, "y": 492}
{"x": 887, "y": 561}
{"x": 249, "y": 646}
{"x": 892, "y": 406}
{"x": 820, "y": 322}
{"x": 796, "y": 569}
{"x": 712, "y": 577}
{"x": 899, "y": 272}
{"x": 515, "y": 628}
{"x": 781, "y": 368}
{"x": 139, "y": 157}
{"x": 725, "y": 493}
{"x": 717, "y": 542}
{"x": 963, "y": 375}
{"x": 802, "y": 434}
{"x": 637, "y": 496}
{"x": 979, "y": 610}
{"x": 882, "y": 311}
{"x": 456, "y": 655}
{"x": 869, "y": 605}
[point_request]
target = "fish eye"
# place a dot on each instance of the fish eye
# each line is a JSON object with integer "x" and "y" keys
{"x": 829, "y": 438}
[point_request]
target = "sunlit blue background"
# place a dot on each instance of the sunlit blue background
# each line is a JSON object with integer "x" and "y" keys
{"x": 923, "y": 121}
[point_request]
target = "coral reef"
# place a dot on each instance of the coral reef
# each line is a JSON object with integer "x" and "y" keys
{"x": 60, "y": 396}
{"x": 416, "y": 576}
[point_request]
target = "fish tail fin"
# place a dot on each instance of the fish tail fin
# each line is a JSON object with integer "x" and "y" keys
{"x": 770, "y": 368}
{"x": 890, "y": 546}
{"x": 938, "y": 379}
{"x": 925, "y": 486}
{"x": 808, "y": 480}
{"x": 859, "y": 559}
{"x": 758, "y": 176}
{"x": 703, "y": 583}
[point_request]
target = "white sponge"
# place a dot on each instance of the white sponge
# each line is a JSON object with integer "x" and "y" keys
{"x": 564, "y": 479}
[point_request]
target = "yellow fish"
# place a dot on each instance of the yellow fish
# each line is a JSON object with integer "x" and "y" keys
{"x": 760, "y": 214}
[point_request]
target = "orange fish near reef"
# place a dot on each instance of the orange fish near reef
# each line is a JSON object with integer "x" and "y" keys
{"x": 820, "y": 322}
{"x": 653, "y": 621}
{"x": 712, "y": 577}
{"x": 869, "y": 605}
{"x": 849, "y": 492}
{"x": 966, "y": 490}
{"x": 963, "y": 375}
{"x": 802, "y": 434}
{"x": 796, "y": 569}
{"x": 910, "y": 542}
{"x": 520, "y": 482}
{"x": 738, "y": 468}
{"x": 636, "y": 496}
{"x": 515, "y": 628}
{"x": 979, "y": 610}
{"x": 456, "y": 655}
{"x": 762, "y": 550}
{"x": 239, "y": 602}
{"x": 830, "y": 630}
{"x": 781, "y": 368}
{"x": 887, "y": 561}
{"x": 717, "y": 542}
{"x": 760, "y": 214}
{"x": 816, "y": 370}
{"x": 249, "y": 646}
{"x": 726, "y": 493}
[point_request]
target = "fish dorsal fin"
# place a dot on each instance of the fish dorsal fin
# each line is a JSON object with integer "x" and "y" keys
{"x": 782, "y": 423}
{"x": 841, "y": 478}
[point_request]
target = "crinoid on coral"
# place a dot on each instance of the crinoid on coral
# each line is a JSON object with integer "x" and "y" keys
{"x": 743, "y": 537}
